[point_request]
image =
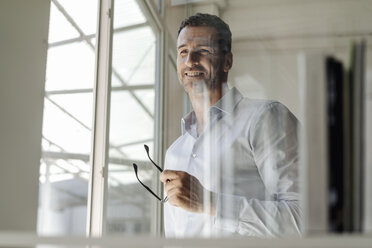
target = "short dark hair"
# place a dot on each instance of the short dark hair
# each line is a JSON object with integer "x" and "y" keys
{"x": 223, "y": 30}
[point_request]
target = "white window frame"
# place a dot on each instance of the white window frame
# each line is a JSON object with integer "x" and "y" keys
{"x": 100, "y": 131}
{"x": 98, "y": 185}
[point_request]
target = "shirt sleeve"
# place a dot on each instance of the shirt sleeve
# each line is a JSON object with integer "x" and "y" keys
{"x": 274, "y": 142}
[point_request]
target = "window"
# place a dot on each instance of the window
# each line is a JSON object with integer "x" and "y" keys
{"x": 65, "y": 167}
{"x": 132, "y": 121}
{"x": 67, "y": 124}
{"x": 140, "y": 69}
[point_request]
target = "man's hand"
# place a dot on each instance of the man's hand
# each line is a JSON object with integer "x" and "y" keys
{"x": 185, "y": 191}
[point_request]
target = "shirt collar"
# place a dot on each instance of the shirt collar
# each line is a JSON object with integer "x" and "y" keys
{"x": 226, "y": 105}
{"x": 228, "y": 101}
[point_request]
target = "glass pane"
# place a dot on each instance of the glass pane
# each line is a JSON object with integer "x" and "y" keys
{"x": 132, "y": 122}
{"x": 72, "y": 75}
{"x": 129, "y": 126}
{"x": 245, "y": 149}
{"x": 147, "y": 97}
{"x": 130, "y": 10}
{"x": 63, "y": 29}
{"x": 83, "y": 13}
{"x": 133, "y": 56}
{"x": 67, "y": 120}
{"x": 60, "y": 127}
{"x": 77, "y": 104}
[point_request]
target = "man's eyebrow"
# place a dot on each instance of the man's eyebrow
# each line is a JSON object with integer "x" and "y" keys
{"x": 180, "y": 46}
{"x": 200, "y": 45}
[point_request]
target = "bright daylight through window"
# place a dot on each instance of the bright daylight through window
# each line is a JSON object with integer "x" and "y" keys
{"x": 68, "y": 114}
{"x": 67, "y": 123}
{"x": 132, "y": 119}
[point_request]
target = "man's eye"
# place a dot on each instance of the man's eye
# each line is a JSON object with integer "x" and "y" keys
{"x": 183, "y": 52}
{"x": 205, "y": 51}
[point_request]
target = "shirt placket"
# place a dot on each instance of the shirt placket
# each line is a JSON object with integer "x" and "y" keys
{"x": 198, "y": 161}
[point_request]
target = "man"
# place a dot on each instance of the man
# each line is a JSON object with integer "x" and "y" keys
{"x": 234, "y": 168}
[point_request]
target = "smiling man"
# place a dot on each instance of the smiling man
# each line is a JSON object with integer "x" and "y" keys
{"x": 234, "y": 169}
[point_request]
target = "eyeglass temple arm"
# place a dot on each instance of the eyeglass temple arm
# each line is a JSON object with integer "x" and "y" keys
{"x": 148, "y": 155}
{"x": 135, "y": 171}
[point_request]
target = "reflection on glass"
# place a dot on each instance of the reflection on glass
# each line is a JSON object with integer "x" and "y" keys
{"x": 234, "y": 169}
{"x": 68, "y": 104}
{"x": 132, "y": 120}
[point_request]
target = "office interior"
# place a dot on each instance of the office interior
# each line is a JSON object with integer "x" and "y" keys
{"x": 85, "y": 83}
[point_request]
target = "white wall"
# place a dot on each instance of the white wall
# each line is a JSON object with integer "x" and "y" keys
{"x": 23, "y": 49}
{"x": 268, "y": 35}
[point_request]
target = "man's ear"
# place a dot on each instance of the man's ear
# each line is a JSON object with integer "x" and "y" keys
{"x": 228, "y": 62}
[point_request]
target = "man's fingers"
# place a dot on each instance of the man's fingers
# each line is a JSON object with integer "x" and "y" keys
{"x": 168, "y": 175}
{"x": 174, "y": 183}
{"x": 174, "y": 196}
{"x": 169, "y": 185}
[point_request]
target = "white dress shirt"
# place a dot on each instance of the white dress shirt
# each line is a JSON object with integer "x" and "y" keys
{"x": 248, "y": 155}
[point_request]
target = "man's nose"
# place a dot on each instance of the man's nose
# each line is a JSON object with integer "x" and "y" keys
{"x": 192, "y": 59}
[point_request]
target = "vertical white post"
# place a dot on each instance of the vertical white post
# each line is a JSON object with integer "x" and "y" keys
{"x": 313, "y": 144}
{"x": 159, "y": 124}
{"x": 99, "y": 153}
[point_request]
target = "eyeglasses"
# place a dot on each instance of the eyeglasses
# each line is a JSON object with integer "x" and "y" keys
{"x": 135, "y": 167}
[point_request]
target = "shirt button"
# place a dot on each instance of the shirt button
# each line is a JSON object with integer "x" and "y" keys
{"x": 194, "y": 155}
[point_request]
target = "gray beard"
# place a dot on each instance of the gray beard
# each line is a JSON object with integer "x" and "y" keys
{"x": 201, "y": 86}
